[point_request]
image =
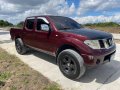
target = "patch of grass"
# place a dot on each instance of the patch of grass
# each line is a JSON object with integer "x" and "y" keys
{"x": 52, "y": 87}
{"x": 14, "y": 72}
{"x": 2, "y": 83}
{"x": 103, "y": 24}
{"x": 4, "y": 76}
{"x": 13, "y": 88}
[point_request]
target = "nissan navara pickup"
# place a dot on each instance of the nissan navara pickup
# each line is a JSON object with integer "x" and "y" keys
{"x": 74, "y": 46}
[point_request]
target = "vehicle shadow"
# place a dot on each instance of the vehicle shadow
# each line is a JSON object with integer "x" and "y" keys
{"x": 102, "y": 74}
{"x": 43, "y": 56}
{"x": 5, "y": 41}
{"x": 99, "y": 74}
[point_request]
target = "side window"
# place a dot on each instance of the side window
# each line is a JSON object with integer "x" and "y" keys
{"x": 40, "y": 22}
{"x": 30, "y": 24}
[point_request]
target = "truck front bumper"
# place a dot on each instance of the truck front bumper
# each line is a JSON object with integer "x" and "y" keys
{"x": 99, "y": 56}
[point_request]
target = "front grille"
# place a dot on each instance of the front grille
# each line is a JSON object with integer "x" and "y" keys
{"x": 106, "y": 43}
{"x": 102, "y": 45}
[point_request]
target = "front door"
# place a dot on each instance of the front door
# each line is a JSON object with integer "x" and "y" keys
{"x": 42, "y": 36}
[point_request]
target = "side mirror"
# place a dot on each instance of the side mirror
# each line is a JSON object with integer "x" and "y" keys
{"x": 44, "y": 27}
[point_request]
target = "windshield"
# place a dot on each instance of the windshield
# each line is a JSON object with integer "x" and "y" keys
{"x": 64, "y": 23}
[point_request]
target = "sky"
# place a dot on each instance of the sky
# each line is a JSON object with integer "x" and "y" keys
{"x": 83, "y": 11}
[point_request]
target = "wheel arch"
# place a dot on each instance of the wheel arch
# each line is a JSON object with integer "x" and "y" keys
{"x": 17, "y": 37}
{"x": 64, "y": 47}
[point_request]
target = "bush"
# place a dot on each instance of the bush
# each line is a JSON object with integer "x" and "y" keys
{"x": 20, "y": 24}
{"x": 105, "y": 24}
{"x": 5, "y": 23}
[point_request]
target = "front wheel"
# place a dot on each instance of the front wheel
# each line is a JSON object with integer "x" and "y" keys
{"x": 71, "y": 64}
{"x": 20, "y": 47}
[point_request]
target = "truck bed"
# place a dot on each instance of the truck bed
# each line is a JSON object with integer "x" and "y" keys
{"x": 15, "y": 32}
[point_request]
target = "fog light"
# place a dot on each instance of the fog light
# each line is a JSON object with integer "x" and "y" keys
{"x": 98, "y": 61}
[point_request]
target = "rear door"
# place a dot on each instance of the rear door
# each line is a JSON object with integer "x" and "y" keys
{"x": 28, "y": 33}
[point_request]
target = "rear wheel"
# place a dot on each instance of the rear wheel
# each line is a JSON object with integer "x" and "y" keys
{"x": 71, "y": 64}
{"x": 20, "y": 47}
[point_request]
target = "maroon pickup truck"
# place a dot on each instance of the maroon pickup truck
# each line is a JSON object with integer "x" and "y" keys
{"x": 73, "y": 46}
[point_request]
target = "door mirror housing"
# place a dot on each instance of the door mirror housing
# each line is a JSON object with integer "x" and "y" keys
{"x": 45, "y": 27}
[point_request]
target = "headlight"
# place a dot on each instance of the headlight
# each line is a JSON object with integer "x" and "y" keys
{"x": 94, "y": 44}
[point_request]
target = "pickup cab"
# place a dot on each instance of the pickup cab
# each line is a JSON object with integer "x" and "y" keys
{"x": 74, "y": 46}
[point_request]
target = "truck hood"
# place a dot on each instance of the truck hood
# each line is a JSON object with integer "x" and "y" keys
{"x": 89, "y": 33}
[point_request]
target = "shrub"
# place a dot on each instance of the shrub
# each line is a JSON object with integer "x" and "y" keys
{"x": 5, "y": 23}
{"x": 105, "y": 24}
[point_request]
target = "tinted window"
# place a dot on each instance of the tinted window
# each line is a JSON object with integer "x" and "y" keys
{"x": 39, "y": 22}
{"x": 30, "y": 24}
{"x": 64, "y": 23}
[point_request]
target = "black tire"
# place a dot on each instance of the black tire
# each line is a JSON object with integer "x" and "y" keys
{"x": 20, "y": 47}
{"x": 71, "y": 64}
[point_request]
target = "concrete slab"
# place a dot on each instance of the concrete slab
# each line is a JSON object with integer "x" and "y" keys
{"x": 116, "y": 36}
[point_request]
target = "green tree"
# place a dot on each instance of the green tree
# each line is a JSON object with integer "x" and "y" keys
{"x": 104, "y": 24}
{"x": 20, "y": 24}
{"x": 5, "y": 23}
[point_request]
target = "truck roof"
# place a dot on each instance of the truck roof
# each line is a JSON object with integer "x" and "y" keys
{"x": 46, "y": 16}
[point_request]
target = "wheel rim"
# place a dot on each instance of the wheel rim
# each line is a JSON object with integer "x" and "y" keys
{"x": 68, "y": 65}
{"x": 18, "y": 46}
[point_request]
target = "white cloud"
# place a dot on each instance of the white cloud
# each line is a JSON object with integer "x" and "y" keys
{"x": 7, "y": 7}
{"x": 87, "y": 5}
{"x": 17, "y": 10}
{"x": 95, "y": 19}
{"x": 72, "y": 8}
{"x": 26, "y": 2}
{"x": 105, "y": 7}
{"x": 97, "y": 5}
{"x": 57, "y": 8}
{"x": 66, "y": 10}
{"x": 109, "y": 4}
